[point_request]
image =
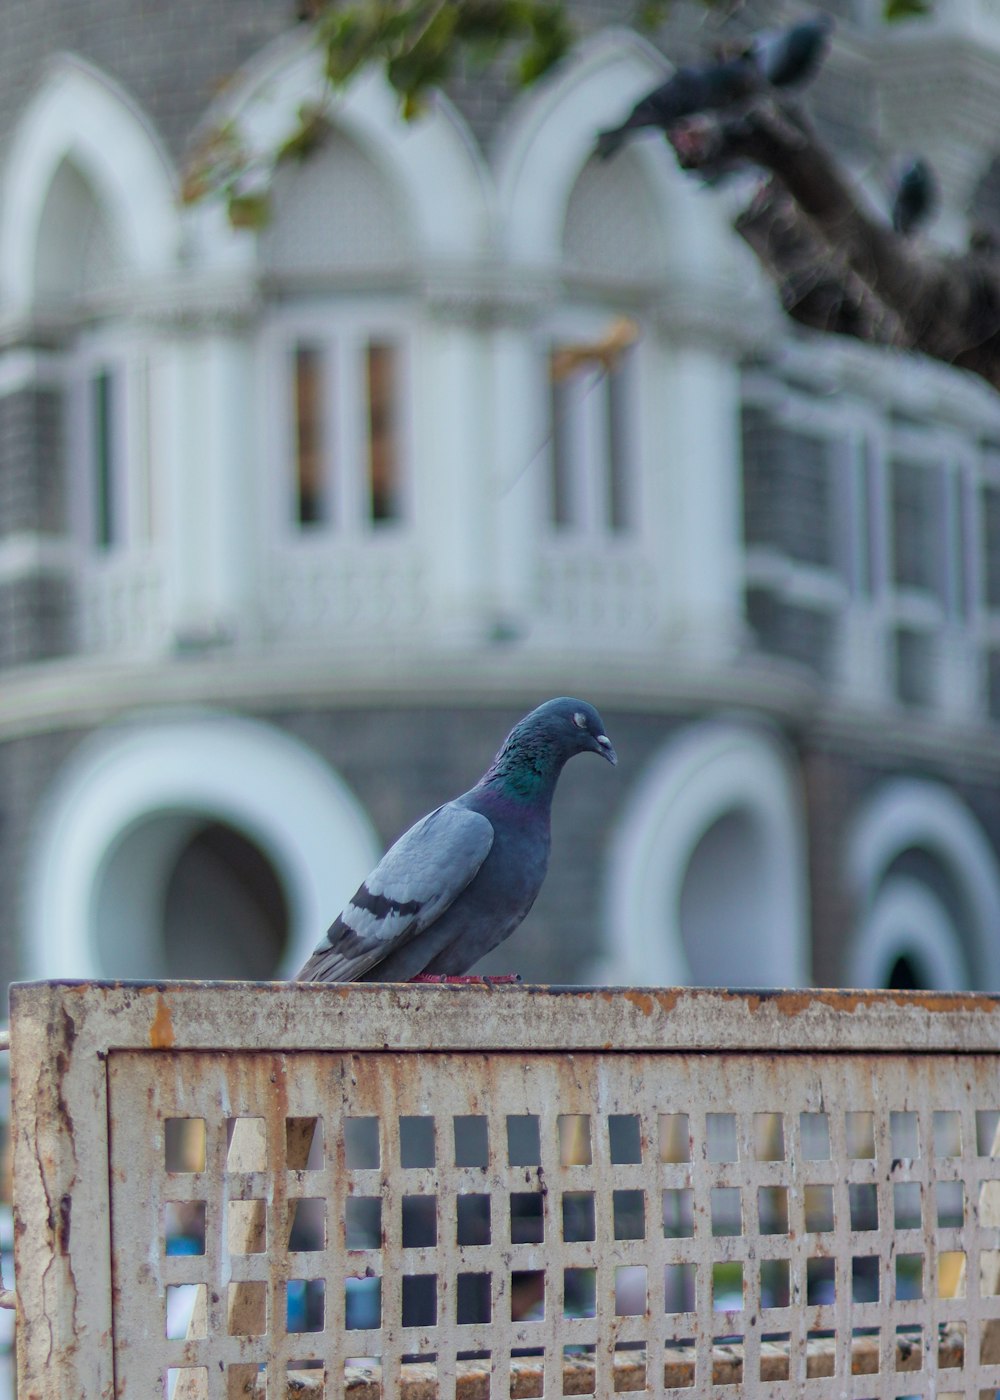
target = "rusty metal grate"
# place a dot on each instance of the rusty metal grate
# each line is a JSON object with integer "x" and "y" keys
{"x": 778, "y": 1194}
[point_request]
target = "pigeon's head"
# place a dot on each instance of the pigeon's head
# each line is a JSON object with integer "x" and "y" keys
{"x": 571, "y": 726}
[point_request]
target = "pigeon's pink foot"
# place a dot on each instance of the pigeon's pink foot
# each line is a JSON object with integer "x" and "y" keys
{"x": 505, "y": 979}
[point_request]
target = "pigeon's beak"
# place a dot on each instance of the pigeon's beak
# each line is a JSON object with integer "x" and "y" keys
{"x": 605, "y": 747}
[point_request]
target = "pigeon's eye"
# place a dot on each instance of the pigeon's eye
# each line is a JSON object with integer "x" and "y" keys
{"x": 580, "y": 720}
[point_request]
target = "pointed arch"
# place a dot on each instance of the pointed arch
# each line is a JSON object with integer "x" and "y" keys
{"x": 129, "y": 800}
{"x": 707, "y": 873}
{"x": 432, "y": 163}
{"x": 920, "y": 835}
{"x": 82, "y": 117}
{"x": 549, "y": 137}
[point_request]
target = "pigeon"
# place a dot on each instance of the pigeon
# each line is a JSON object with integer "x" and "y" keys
{"x": 462, "y": 878}
{"x": 689, "y": 90}
{"x": 788, "y": 57}
{"x": 915, "y": 198}
{"x": 780, "y": 57}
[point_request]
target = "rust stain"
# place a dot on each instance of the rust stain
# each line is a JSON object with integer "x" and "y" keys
{"x": 161, "y": 1032}
{"x": 642, "y": 1001}
{"x": 796, "y": 1002}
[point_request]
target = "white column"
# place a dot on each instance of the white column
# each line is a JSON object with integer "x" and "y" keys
{"x": 451, "y": 471}
{"x": 518, "y": 478}
{"x": 202, "y": 415}
{"x": 694, "y": 526}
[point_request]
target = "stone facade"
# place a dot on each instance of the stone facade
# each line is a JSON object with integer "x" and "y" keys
{"x": 770, "y": 560}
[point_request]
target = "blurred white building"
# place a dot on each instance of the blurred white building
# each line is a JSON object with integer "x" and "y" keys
{"x": 295, "y": 524}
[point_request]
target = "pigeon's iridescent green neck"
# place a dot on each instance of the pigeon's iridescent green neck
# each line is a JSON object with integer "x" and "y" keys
{"x": 524, "y": 769}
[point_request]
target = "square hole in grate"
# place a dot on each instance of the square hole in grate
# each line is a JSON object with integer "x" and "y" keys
{"x": 246, "y": 1140}
{"x": 772, "y": 1209}
{"x": 726, "y": 1210}
{"x": 859, "y": 1131}
{"x": 678, "y": 1287}
{"x": 866, "y": 1351}
{"x": 821, "y": 1355}
{"x": 184, "y": 1144}
{"x": 909, "y": 1348}
{"x": 419, "y": 1222}
{"x": 774, "y": 1283}
{"x": 472, "y": 1218}
{"x": 363, "y": 1222}
{"x": 727, "y": 1360}
{"x": 988, "y": 1200}
{"x": 246, "y": 1309}
{"x": 579, "y": 1292}
{"x": 629, "y": 1366}
{"x": 774, "y": 1348}
{"x": 307, "y": 1229}
{"x": 243, "y": 1379}
{"x": 185, "y": 1312}
{"x": 909, "y": 1276}
{"x": 947, "y": 1133}
{"x": 362, "y": 1304}
{"x": 420, "y": 1302}
{"x": 904, "y": 1137}
{"x": 416, "y": 1141}
{"x": 574, "y": 1139}
{"x": 989, "y": 1273}
{"x": 906, "y": 1205}
{"x": 629, "y": 1214}
{"x": 675, "y": 1137}
{"x": 987, "y": 1122}
{"x": 820, "y": 1280}
{"x": 678, "y": 1364}
{"x": 184, "y": 1227}
{"x": 678, "y": 1212}
{"x": 527, "y": 1221}
{"x": 630, "y": 1290}
{"x": 624, "y": 1139}
{"x": 727, "y": 1285}
{"x": 527, "y": 1375}
{"x": 578, "y": 1217}
{"x": 191, "y": 1382}
{"x": 523, "y": 1143}
{"x": 818, "y": 1202}
{"x": 527, "y": 1295}
{"x": 473, "y": 1299}
{"x": 304, "y": 1144}
{"x": 814, "y": 1134}
{"x": 949, "y": 1197}
{"x": 246, "y": 1227}
{"x": 579, "y": 1370}
{"x": 769, "y": 1137}
{"x": 865, "y": 1278}
{"x": 863, "y": 1200}
{"x": 472, "y": 1140}
{"x": 951, "y": 1347}
{"x": 305, "y": 1378}
{"x": 361, "y": 1144}
{"x": 720, "y": 1137}
{"x": 305, "y": 1304}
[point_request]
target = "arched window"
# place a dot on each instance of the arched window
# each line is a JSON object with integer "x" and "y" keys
{"x": 88, "y": 219}
{"x": 707, "y": 875}
{"x": 80, "y": 252}
{"x": 157, "y": 833}
{"x": 926, "y": 883}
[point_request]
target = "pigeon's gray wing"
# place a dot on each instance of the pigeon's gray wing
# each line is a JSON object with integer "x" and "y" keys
{"x": 413, "y": 884}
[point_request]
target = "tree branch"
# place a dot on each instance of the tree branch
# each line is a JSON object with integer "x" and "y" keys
{"x": 837, "y": 265}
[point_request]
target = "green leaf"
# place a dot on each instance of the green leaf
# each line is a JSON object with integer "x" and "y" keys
{"x": 251, "y": 211}
{"x": 907, "y": 9}
{"x": 307, "y": 137}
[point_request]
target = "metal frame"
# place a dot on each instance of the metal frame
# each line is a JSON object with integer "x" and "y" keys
{"x": 78, "y": 1202}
